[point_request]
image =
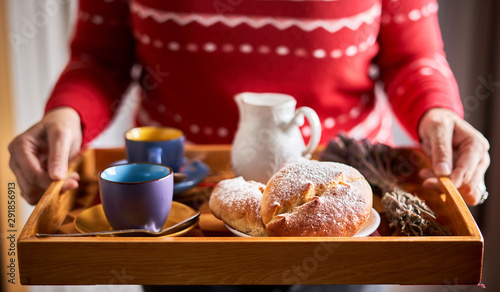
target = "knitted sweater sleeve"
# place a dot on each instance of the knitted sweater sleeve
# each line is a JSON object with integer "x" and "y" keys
{"x": 98, "y": 72}
{"x": 412, "y": 62}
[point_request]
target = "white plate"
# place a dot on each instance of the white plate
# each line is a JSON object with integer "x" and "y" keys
{"x": 370, "y": 225}
{"x": 368, "y": 228}
{"x": 236, "y": 232}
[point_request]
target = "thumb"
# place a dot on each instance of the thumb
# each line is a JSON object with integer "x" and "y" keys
{"x": 440, "y": 138}
{"x": 59, "y": 148}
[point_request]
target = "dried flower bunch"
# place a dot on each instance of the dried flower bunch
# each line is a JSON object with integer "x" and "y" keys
{"x": 405, "y": 212}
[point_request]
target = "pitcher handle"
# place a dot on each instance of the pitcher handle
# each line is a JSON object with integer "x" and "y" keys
{"x": 315, "y": 125}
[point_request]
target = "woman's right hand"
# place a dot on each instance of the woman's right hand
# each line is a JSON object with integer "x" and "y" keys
{"x": 42, "y": 153}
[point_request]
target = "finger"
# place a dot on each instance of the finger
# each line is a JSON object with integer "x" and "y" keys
{"x": 30, "y": 192}
{"x": 31, "y": 179}
{"x": 478, "y": 177}
{"x": 24, "y": 153}
{"x": 59, "y": 149}
{"x": 470, "y": 194}
{"x": 425, "y": 173}
{"x": 470, "y": 191}
{"x": 468, "y": 158}
{"x": 433, "y": 183}
{"x": 440, "y": 140}
{"x": 71, "y": 182}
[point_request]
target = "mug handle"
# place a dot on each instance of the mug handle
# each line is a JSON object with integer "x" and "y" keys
{"x": 154, "y": 155}
{"x": 315, "y": 125}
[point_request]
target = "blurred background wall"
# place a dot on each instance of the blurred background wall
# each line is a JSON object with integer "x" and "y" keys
{"x": 471, "y": 33}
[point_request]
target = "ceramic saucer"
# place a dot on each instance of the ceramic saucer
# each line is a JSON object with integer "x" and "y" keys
{"x": 195, "y": 172}
{"x": 368, "y": 228}
{"x": 93, "y": 219}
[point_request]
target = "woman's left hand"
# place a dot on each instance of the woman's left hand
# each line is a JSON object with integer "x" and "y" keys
{"x": 457, "y": 150}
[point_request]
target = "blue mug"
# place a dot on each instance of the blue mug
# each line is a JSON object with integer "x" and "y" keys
{"x": 162, "y": 145}
{"x": 136, "y": 195}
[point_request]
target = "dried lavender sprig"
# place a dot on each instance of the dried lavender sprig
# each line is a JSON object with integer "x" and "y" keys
{"x": 410, "y": 214}
{"x": 359, "y": 155}
{"x": 404, "y": 211}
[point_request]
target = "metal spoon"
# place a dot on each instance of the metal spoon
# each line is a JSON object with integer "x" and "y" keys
{"x": 132, "y": 232}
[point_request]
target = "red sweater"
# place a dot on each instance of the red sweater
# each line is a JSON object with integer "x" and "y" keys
{"x": 195, "y": 55}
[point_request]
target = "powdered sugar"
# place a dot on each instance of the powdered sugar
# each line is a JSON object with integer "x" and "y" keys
{"x": 240, "y": 194}
{"x": 238, "y": 202}
{"x": 316, "y": 199}
{"x": 308, "y": 198}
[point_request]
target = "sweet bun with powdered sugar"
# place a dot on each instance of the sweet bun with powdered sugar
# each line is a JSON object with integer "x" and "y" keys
{"x": 315, "y": 198}
{"x": 237, "y": 203}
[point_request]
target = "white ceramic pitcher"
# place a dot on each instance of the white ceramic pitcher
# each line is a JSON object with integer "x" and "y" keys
{"x": 268, "y": 134}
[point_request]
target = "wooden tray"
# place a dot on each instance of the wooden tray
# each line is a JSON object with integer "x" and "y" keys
{"x": 211, "y": 255}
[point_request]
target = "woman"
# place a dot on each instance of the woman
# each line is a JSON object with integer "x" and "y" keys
{"x": 193, "y": 56}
